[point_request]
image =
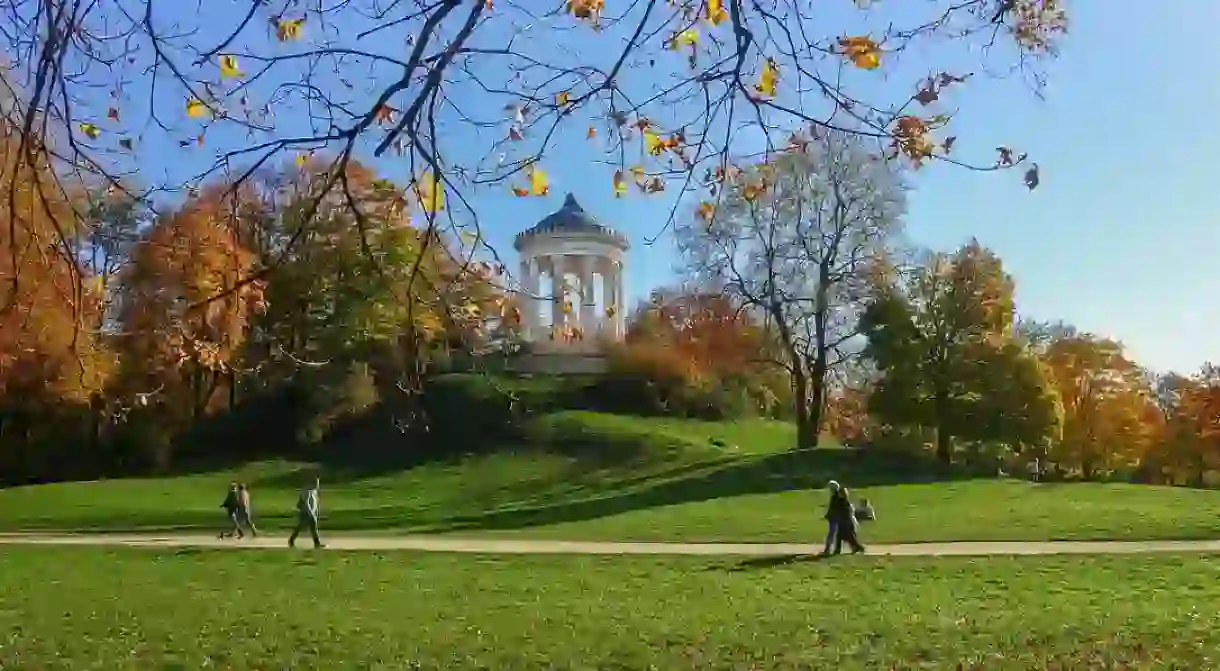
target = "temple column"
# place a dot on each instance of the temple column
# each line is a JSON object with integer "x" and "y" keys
{"x": 620, "y": 304}
{"x": 529, "y": 297}
{"x": 588, "y": 303}
{"x": 558, "y": 316}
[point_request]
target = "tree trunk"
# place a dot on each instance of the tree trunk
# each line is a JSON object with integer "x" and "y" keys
{"x": 806, "y": 436}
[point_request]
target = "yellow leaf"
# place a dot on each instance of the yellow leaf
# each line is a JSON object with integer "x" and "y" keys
{"x": 302, "y": 159}
{"x": 229, "y": 67}
{"x": 768, "y": 79}
{"x": 288, "y": 29}
{"x": 715, "y": 12}
{"x": 195, "y": 108}
{"x": 431, "y": 193}
{"x": 861, "y": 51}
{"x": 620, "y": 186}
{"x": 653, "y": 143}
{"x": 90, "y": 130}
{"x": 706, "y": 211}
{"x": 561, "y": 98}
{"x": 686, "y": 38}
{"x": 539, "y": 184}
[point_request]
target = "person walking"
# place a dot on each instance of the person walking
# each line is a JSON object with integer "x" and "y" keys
{"x": 307, "y": 515}
{"x": 245, "y": 515}
{"x": 230, "y": 506}
{"x": 846, "y": 526}
{"x": 831, "y": 521}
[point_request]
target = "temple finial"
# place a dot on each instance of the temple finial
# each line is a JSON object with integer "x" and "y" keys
{"x": 569, "y": 203}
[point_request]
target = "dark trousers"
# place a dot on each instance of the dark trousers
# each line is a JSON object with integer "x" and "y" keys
{"x": 234, "y": 526}
{"x": 847, "y": 532}
{"x": 306, "y": 522}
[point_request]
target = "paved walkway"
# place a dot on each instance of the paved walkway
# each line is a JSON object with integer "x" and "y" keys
{"x": 521, "y": 546}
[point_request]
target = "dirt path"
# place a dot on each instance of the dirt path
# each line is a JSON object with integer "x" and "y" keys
{"x": 514, "y": 546}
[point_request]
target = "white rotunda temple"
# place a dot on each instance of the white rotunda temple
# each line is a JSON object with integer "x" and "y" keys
{"x": 571, "y": 273}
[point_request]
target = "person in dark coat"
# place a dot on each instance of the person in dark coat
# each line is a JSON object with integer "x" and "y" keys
{"x": 843, "y": 516}
{"x": 232, "y": 506}
{"x": 831, "y": 525}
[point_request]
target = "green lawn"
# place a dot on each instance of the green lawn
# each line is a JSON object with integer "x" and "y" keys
{"x": 602, "y": 477}
{"x": 84, "y": 608}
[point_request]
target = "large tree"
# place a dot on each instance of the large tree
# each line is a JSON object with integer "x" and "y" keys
{"x": 1110, "y": 413}
{"x": 942, "y": 338}
{"x": 802, "y": 253}
{"x": 466, "y": 94}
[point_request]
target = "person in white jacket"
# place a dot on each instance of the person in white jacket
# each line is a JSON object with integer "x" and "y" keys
{"x": 307, "y": 515}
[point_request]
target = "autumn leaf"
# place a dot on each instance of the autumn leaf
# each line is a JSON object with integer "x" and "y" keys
{"x": 112, "y": 114}
{"x": 686, "y": 38}
{"x": 90, "y": 130}
{"x": 714, "y": 12}
{"x": 927, "y": 95}
{"x": 620, "y": 186}
{"x": 611, "y": 311}
{"x": 302, "y": 158}
{"x": 384, "y": 114}
{"x": 861, "y": 51}
{"x": 539, "y": 184}
{"x": 288, "y": 29}
{"x": 652, "y": 143}
{"x": 229, "y": 67}
{"x": 514, "y": 134}
{"x": 706, "y": 211}
{"x": 768, "y": 79}
{"x": 1031, "y": 177}
{"x": 431, "y": 193}
{"x": 561, "y": 98}
{"x": 520, "y": 191}
{"x": 586, "y": 9}
{"x": 195, "y": 108}
{"x": 591, "y": 134}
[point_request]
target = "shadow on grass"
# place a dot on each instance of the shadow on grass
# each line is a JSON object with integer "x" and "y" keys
{"x": 778, "y": 561}
{"x": 797, "y": 470}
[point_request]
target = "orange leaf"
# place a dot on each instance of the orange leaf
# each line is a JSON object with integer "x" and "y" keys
{"x": 384, "y": 114}
{"x": 715, "y": 12}
{"x": 861, "y": 51}
{"x": 520, "y": 192}
{"x": 592, "y": 133}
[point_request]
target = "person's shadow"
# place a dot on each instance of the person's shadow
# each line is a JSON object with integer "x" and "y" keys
{"x": 775, "y": 561}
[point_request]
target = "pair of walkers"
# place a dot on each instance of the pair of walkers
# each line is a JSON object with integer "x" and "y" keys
{"x": 843, "y": 520}
{"x": 237, "y": 507}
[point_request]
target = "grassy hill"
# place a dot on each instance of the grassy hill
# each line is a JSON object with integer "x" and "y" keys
{"x": 592, "y": 476}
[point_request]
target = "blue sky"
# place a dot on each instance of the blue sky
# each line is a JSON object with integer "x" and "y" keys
{"x": 1119, "y": 239}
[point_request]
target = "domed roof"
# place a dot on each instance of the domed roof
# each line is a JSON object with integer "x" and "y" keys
{"x": 569, "y": 219}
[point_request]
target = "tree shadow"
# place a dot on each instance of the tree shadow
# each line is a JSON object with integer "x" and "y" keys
{"x": 768, "y": 474}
